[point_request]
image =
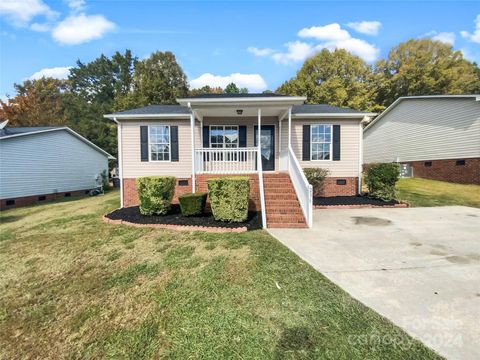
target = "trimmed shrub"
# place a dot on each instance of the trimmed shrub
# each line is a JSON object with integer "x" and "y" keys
{"x": 381, "y": 179}
{"x": 156, "y": 194}
{"x": 229, "y": 198}
{"x": 192, "y": 203}
{"x": 316, "y": 177}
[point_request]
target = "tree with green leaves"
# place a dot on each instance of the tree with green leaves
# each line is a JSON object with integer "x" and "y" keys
{"x": 333, "y": 77}
{"x": 94, "y": 90}
{"x": 424, "y": 67}
{"x": 205, "y": 90}
{"x": 158, "y": 79}
{"x": 232, "y": 88}
{"x": 36, "y": 103}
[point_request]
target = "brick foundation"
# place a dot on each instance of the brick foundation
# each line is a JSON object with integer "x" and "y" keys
{"x": 130, "y": 193}
{"x": 331, "y": 188}
{"x": 34, "y": 199}
{"x": 447, "y": 170}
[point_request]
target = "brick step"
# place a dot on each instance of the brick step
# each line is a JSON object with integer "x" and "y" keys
{"x": 274, "y": 202}
{"x": 286, "y": 225}
{"x": 287, "y": 218}
{"x": 279, "y": 190}
{"x": 278, "y": 175}
{"x": 280, "y": 197}
{"x": 284, "y": 210}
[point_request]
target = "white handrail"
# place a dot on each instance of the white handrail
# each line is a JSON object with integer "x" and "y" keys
{"x": 303, "y": 189}
{"x": 262, "y": 192}
{"x": 225, "y": 160}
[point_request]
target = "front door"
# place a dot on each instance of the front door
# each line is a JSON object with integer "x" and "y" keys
{"x": 267, "y": 146}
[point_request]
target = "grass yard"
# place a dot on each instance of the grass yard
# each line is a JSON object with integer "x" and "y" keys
{"x": 422, "y": 192}
{"x": 74, "y": 287}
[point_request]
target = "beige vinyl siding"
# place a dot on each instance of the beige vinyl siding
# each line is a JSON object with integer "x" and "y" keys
{"x": 250, "y": 123}
{"x": 133, "y": 167}
{"x": 46, "y": 163}
{"x": 425, "y": 129}
{"x": 348, "y": 166}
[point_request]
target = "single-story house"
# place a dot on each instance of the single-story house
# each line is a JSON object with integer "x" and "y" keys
{"x": 433, "y": 137}
{"x": 44, "y": 163}
{"x": 216, "y": 135}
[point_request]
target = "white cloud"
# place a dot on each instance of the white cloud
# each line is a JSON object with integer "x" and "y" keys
{"x": 55, "y": 72}
{"x": 297, "y": 51}
{"x": 77, "y": 29}
{"x": 361, "y": 48}
{"x": 40, "y": 27}
{"x": 445, "y": 37}
{"x": 330, "y": 36}
{"x": 253, "y": 82}
{"x": 330, "y": 32}
{"x": 20, "y": 12}
{"x": 260, "y": 52}
{"x": 76, "y": 5}
{"x": 475, "y": 36}
{"x": 366, "y": 27}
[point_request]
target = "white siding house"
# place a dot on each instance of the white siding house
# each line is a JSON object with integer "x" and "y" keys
{"x": 36, "y": 163}
{"x": 438, "y": 136}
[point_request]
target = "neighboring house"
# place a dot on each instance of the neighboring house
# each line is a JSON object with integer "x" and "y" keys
{"x": 43, "y": 163}
{"x": 216, "y": 135}
{"x": 437, "y": 136}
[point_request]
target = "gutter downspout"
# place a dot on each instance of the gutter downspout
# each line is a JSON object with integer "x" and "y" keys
{"x": 192, "y": 140}
{"x": 120, "y": 158}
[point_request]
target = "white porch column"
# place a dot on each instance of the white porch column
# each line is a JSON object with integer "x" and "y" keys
{"x": 260, "y": 170}
{"x": 192, "y": 140}
{"x": 289, "y": 127}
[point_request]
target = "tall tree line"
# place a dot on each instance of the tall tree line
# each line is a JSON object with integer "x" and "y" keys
{"x": 122, "y": 81}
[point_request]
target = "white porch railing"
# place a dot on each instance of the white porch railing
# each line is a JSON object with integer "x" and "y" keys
{"x": 303, "y": 189}
{"x": 226, "y": 161}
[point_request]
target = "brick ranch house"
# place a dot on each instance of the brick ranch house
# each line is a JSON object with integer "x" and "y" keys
{"x": 216, "y": 135}
{"x": 437, "y": 136}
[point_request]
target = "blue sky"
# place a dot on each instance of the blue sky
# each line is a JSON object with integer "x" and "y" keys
{"x": 256, "y": 44}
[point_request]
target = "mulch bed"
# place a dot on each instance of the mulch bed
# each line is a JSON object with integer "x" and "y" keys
{"x": 174, "y": 219}
{"x": 353, "y": 202}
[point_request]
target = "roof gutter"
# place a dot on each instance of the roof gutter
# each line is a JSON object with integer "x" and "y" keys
{"x": 117, "y": 117}
{"x": 335, "y": 115}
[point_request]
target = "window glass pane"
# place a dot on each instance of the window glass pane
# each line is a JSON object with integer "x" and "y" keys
{"x": 159, "y": 142}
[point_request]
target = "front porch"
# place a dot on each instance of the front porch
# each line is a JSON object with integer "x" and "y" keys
{"x": 225, "y": 142}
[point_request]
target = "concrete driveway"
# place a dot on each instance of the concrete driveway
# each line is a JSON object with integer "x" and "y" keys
{"x": 419, "y": 267}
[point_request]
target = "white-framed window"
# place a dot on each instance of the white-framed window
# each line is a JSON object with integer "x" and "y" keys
{"x": 321, "y": 142}
{"x": 224, "y": 136}
{"x": 159, "y": 143}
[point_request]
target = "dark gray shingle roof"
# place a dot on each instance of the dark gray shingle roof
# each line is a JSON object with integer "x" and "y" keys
{"x": 322, "y": 109}
{"x": 221, "y": 96}
{"x": 156, "y": 109}
{"x": 24, "y": 130}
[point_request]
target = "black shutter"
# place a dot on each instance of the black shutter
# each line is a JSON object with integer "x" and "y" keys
{"x": 242, "y": 136}
{"x": 242, "y": 141}
{"x": 336, "y": 143}
{"x": 144, "y": 143}
{"x": 206, "y": 136}
{"x": 306, "y": 143}
{"x": 174, "y": 143}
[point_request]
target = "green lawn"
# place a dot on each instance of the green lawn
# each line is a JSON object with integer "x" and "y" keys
{"x": 423, "y": 192}
{"x": 74, "y": 287}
